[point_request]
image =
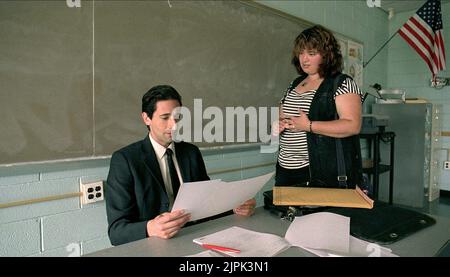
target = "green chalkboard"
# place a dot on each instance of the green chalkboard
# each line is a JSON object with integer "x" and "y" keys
{"x": 72, "y": 78}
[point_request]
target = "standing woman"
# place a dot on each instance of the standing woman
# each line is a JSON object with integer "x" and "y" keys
{"x": 319, "y": 107}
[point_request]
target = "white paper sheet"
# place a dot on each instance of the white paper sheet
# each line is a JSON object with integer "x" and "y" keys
{"x": 320, "y": 231}
{"x": 328, "y": 235}
{"x": 208, "y": 198}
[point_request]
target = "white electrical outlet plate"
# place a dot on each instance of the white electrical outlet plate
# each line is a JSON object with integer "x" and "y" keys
{"x": 91, "y": 192}
{"x": 447, "y": 165}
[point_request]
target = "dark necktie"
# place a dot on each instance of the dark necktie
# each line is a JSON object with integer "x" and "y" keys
{"x": 173, "y": 172}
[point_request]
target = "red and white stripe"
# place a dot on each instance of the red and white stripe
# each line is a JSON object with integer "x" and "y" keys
{"x": 428, "y": 44}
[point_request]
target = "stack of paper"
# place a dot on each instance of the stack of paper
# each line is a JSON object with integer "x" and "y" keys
{"x": 323, "y": 234}
{"x": 250, "y": 243}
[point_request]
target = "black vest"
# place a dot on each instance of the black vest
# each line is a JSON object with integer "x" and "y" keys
{"x": 322, "y": 149}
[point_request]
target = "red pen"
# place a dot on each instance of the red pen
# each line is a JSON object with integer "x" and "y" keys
{"x": 220, "y": 248}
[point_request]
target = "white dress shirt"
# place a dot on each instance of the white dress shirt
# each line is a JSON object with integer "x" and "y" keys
{"x": 161, "y": 156}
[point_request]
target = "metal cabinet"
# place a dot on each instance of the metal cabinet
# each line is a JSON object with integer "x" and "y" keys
{"x": 416, "y": 162}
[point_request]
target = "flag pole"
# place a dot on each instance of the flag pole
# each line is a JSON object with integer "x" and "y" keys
{"x": 365, "y": 64}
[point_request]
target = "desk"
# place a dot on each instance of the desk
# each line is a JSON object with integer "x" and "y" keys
{"x": 423, "y": 243}
{"x": 379, "y": 168}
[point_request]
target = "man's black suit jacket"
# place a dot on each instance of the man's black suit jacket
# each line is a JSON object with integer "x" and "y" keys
{"x": 135, "y": 191}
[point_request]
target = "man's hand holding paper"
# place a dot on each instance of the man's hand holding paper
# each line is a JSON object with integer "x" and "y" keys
{"x": 209, "y": 198}
{"x": 246, "y": 209}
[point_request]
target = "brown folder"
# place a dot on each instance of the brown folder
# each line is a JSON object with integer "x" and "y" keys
{"x": 333, "y": 197}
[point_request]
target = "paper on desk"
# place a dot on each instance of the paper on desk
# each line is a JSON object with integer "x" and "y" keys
{"x": 208, "y": 198}
{"x": 314, "y": 233}
{"x": 358, "y": 248}
{"x": 250, "y": 243}
{"x": 320, "y": 231}
{"x": 328, "y": 235}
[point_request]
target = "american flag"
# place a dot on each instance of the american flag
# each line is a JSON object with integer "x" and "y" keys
{"x": 423, "y": 31}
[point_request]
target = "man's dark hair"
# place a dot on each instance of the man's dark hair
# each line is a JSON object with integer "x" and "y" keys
{"x": 158, "y": 93}
{"x": 320, "y": 39}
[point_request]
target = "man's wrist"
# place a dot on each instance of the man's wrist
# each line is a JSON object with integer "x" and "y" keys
{"x": 149, "y": 234}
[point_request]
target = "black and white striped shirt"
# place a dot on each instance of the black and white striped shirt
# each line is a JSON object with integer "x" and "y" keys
{"x": 293, "y": 152}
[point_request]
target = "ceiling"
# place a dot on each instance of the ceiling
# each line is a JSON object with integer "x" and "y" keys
{"x": 404, "y": 5}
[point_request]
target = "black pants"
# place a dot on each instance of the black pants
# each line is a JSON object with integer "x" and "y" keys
{"x": 291, "y": 177}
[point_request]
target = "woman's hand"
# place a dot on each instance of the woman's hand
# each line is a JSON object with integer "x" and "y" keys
{"x": 298, "y": 123}
{"x": 278, "y": 126}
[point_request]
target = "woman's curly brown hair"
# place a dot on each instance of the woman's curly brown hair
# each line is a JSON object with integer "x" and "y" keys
{"x": 320, "y": 39}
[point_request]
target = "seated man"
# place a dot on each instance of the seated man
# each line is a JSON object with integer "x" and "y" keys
{"x": 144, "y": 177}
